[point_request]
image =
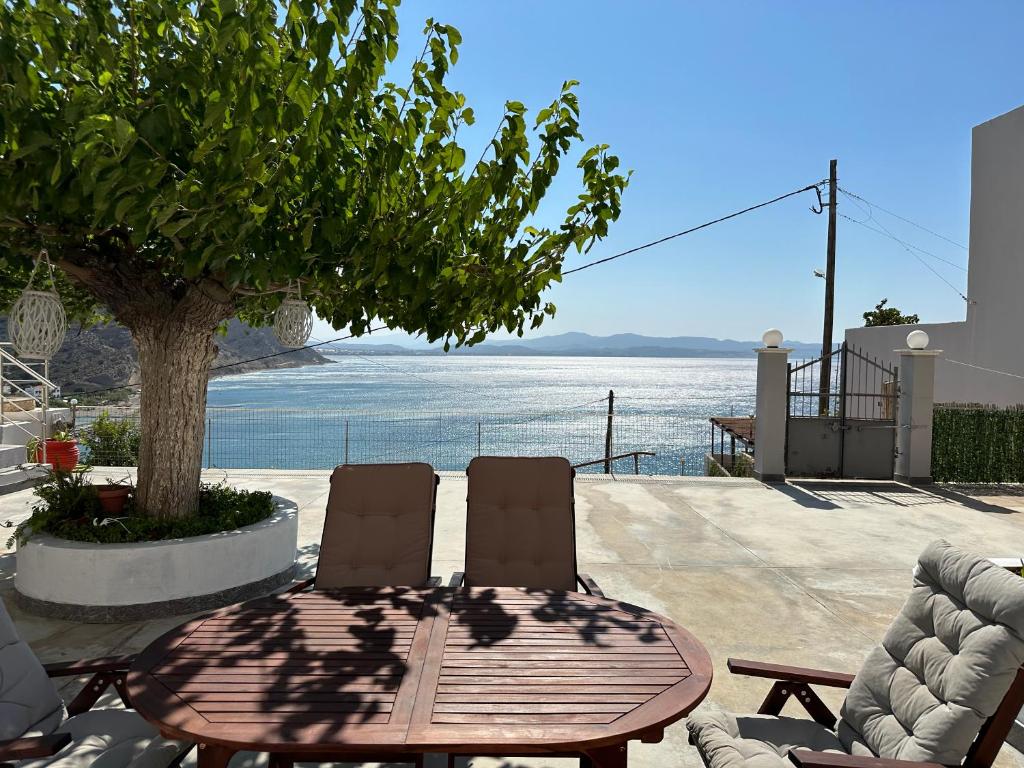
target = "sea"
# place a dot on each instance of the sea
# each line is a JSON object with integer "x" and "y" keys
{"x": 446, "y": 410}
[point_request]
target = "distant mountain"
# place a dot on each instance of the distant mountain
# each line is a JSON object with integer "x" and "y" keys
{"x": 577, "y": 344}
{"x": 104, "y": 356}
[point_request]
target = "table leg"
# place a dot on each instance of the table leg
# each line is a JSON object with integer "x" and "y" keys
{"x": 605, "y": 757}
{"x": 214, "y": 756}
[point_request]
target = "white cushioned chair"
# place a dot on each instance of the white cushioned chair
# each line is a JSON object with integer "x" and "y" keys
{"x": 37, "y": 730}
{"x": 942, "y": 689}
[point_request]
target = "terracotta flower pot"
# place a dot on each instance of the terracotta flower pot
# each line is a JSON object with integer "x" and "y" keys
{"x": 62, "y": 455}
{"x": 113, "y": 497}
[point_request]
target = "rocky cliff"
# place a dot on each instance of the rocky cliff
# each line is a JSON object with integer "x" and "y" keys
{"x": 104, "y": 356}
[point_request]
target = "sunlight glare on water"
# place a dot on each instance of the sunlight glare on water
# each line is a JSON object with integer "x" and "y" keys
{"x": 447, "y": 409}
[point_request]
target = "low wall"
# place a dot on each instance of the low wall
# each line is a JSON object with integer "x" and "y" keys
{"x": 954, "y": 382}
{"x": 83, "y": 581}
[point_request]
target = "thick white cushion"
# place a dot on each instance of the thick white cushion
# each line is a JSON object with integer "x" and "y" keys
{"x": 28, "y": 699}
{"x": 756, "y": 741}
{"x": 110, "y": 738}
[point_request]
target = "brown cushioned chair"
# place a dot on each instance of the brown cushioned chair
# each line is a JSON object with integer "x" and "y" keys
{"x": 521, "y": 531}
{"x": 521, "y": 525}
{"x": 378, "y": 532}
{"x": 379, "y": 528}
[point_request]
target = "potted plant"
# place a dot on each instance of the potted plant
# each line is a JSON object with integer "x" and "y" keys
{"x": 61, "y": 451}
{"x": 113, "y": 495}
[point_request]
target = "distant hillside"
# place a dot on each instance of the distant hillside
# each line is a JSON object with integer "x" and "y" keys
{"x": 575, "y": 344}
{"x": 105, "y": 356}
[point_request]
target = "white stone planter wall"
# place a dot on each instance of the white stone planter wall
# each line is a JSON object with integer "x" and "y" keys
{"x": 121, "y": 582}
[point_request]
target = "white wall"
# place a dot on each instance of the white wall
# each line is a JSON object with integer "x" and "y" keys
{"x": 990, "y": 337}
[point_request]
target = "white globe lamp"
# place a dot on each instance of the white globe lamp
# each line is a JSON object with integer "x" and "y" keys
{"x": 917, "y": 339}
{"x": 772, "y": 338}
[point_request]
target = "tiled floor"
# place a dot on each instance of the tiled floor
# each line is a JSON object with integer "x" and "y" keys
{"x": 807, "y": 573}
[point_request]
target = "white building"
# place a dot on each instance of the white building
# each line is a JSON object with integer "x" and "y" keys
{"x": 992, "y": 336}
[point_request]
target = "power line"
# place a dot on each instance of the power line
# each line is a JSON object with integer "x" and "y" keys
{"x": 902, "y": 242}
{"x": 982, "y": 368}
{"x": 706, "y": 224}
{"x": 605, "y": 260}
{"x": 236, "y": 363}
{"x": 904, "y": 219}
{"x": 927, "y": 266}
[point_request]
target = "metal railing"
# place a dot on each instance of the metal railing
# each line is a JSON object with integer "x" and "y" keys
{"x": 294, "y": 438}
{"x": 19, "y": 381}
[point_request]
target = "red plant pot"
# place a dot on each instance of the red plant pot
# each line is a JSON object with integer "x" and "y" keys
{"x": 113, "y": 497}
{"x": 62, "y": 455}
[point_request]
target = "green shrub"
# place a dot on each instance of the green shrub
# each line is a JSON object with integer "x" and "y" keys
{"x": 977, "y": 444}
{"x": 69, "y": 508}
{"x": 110, "y": 442}
{"x": 743, "y": 465}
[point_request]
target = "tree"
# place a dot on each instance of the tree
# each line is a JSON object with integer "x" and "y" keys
{"x": 883, "y": 315}
{"x": 186, "y": 161}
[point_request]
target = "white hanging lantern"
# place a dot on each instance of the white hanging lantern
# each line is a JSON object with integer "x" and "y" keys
{"x": 293, "y": 322}
{"x": 37, "y": 323}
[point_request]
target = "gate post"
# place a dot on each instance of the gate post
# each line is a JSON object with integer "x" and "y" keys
{"x": 915, "y": 403}
{"x": 771, "y": 409}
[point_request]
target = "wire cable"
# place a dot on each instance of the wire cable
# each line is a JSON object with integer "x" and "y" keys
{"x": 904, "y": 243}
{"x": 908, "y": 249}
{"x": 982, "y": 368}
{"x": 706, "y": 224}
{"x": 604, "y": 260}
{"x": 904, "y": 219}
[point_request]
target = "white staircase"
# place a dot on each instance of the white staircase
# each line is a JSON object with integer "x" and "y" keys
{"x": 25, "y": 414}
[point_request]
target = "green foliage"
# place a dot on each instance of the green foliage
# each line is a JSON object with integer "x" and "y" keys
{"x": 883, "y": 315}
{"x": 234, "y": 147}
{"x": 715, "y": 469}
{"x": 743, "y": 466}
{"x": 63, "y": 496}
{"x": 110, "y": 442}
{"x": 978, "y": 444}
{"x": 69, "y": 508}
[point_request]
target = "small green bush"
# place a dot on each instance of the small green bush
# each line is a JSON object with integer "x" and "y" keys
{"x": 743, "y": 465}
{"x": 110, "y": 442}
{"x": 69, "y": 508}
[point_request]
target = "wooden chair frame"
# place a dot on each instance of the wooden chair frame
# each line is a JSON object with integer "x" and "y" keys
{"x": 795, "y": 683}
{"x": 106, "y": 672}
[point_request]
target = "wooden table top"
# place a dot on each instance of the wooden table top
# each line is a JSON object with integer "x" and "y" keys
{"x": 410, "y": 670}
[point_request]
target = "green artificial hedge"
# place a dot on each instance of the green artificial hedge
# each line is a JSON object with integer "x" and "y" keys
{"x": 978, "y": 444}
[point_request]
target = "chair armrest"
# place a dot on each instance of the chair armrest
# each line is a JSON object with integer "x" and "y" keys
{"x": 458, "y": 578}
{"x": 89, "y": 666}
{"x": 589, "y": 585}
{"x": 794, "y": 674}
{"x": 806, "y": 758}
{"x": 300, "y": 586}
{"x": 35, "y": 746}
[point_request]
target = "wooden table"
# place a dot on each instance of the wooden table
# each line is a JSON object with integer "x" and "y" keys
{"x": 403, "y": 671}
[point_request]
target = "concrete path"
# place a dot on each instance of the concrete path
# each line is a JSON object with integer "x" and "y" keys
{"x": 808, "y": 573}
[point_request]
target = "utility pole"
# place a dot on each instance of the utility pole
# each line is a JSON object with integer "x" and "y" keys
{"x": 830, "y": 291}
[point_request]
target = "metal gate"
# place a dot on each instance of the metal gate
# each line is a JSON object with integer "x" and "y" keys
{"x": 841, "y": 417}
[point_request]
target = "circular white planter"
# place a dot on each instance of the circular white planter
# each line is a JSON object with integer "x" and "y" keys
{"x": 124, "y": 582}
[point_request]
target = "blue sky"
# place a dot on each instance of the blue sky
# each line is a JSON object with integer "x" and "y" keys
{"x": 719, "y": 105}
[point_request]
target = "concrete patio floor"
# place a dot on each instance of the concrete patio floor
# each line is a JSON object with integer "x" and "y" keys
{"x": 807, "y": 573}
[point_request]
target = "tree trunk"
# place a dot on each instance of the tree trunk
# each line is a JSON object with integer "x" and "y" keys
{"x": 174, "y": 359}
{"x": 172, "y": 321}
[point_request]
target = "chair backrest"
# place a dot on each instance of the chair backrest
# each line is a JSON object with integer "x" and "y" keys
{"x": 28, "y": 699}
{"x": 379, "y": 528}
{"x": 520, "y": 525}
{"x": 948, "y": 668}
